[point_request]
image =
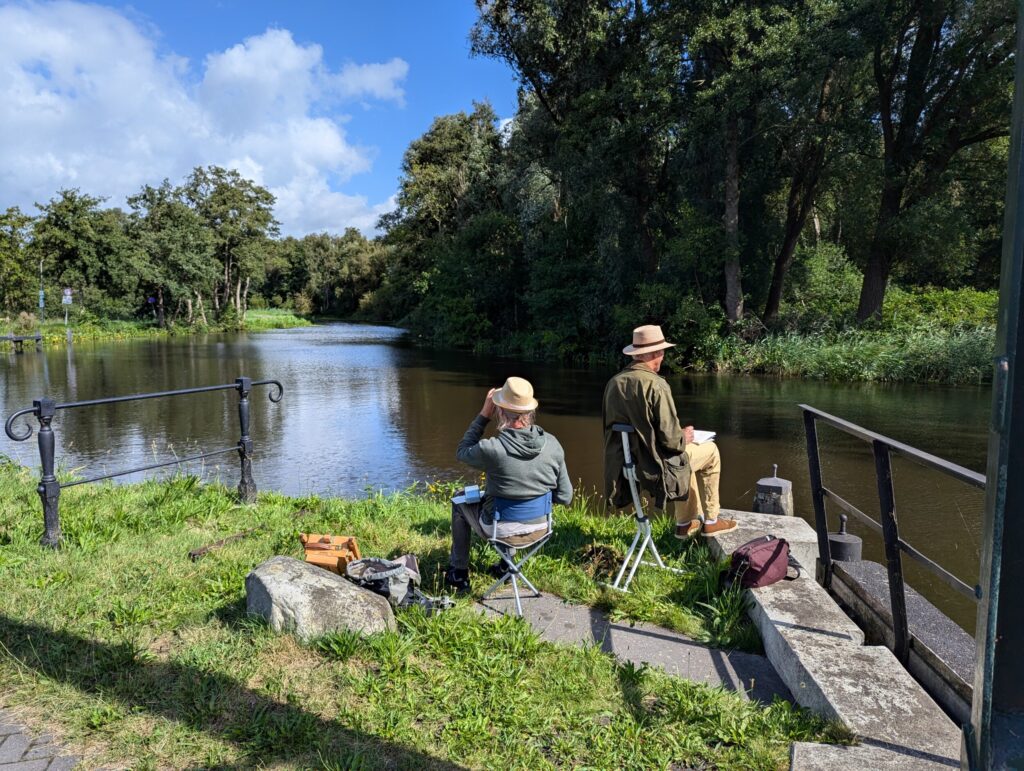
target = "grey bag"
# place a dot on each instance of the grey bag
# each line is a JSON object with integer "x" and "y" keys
{"x": 395, "y": 579}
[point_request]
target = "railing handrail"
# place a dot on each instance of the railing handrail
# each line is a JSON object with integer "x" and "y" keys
{"x": 882, "y": 447}
{"x": 45, "y": 409}
{"x": 905, "y": 450}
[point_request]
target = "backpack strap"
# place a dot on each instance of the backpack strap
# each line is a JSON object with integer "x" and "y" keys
{"x": 796, "y": 566}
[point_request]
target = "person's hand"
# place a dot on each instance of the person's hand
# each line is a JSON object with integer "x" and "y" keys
{"x": 488, "y": 409}
{"x": 688, "y": 434}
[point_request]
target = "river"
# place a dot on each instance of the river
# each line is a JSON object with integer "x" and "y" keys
{"x": 364, "y": 410}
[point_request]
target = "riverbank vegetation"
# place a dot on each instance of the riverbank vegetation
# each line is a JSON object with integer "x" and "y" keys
{"x": 132, "y": 653}
{"x": 811, "y": 189}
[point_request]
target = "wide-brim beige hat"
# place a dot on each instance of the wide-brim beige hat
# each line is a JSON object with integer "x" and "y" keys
{"x": 515, "y": 396}
{"x": 647, "y": 339}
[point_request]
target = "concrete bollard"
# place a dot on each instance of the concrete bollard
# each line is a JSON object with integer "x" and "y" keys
{"x": 774, "y": 495}
{"x": 842, "y": 546}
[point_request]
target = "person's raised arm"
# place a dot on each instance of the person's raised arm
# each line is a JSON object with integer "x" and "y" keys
{"x": 469, "y": 451}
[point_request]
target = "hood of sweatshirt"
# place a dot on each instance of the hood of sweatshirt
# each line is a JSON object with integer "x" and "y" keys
{"x": 523, "y": 443}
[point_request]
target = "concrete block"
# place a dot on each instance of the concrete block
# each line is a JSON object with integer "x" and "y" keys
{"x": 805, "y": 756}
{"x": 866, "y": 689}
{"x": 803, "y": 541}
{"x": 802, "y": 605}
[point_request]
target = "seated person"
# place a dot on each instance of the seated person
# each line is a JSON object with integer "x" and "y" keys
{"x": 522, "y": 463}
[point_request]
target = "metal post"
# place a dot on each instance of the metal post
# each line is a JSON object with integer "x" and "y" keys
{"x": 49, "y": 488}
{"x": 893, "y": 557}
{"x": 246, "y": 486}
{"x": 818, "y": 498}
{"x": 995, "y": 738}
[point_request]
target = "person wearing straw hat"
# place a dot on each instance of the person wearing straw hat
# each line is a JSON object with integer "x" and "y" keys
{"x": 522, "y": 462}
{"x": 670, "y": 467}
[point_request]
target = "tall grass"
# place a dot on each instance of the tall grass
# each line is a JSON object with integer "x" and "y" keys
{"x": 962, "y": 355}
{"x": 137, "y": 656}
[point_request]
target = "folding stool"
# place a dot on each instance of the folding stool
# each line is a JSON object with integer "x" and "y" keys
{"x": 514, "y": 569}
{"x": 643, "y": 535}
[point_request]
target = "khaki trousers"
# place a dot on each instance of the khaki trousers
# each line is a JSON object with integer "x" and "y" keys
{"x": 705, "y": 469}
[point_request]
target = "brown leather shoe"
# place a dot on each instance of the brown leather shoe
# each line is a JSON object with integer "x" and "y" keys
{"x": 689, "y": 529}
{"x": 721, "y": 525}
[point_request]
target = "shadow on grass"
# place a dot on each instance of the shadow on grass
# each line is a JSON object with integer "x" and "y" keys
{"x": 264, "y": 730}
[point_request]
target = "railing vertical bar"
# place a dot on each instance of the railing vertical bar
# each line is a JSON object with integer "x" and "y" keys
{"x": 818, "y": 498}
{"x": 893, "y": 556}
{"x": 49, "y": 488}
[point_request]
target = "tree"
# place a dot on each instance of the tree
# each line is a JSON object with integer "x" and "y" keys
{"x": 17, "y": 278}
{"x": 178, "y": 248}
{"x": 239, "y": 214}
{"x": 942, "y": 79}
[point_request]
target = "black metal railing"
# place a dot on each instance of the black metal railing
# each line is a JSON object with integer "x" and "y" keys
{"x": 895, "y": 547}
{"x": 45, "y": 409}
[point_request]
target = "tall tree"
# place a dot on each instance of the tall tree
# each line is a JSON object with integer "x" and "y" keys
{"x": 942, "y": 78}
{"x": 239, "y": 214}
{"x": 16, "y": 273}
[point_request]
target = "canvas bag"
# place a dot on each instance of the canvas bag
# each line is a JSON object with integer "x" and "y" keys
{"x": 760, "y": 562}
{"x": 396, "y": 580}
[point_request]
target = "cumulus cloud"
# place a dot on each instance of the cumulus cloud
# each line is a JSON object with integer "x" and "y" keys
{"x": 87, "y": 100}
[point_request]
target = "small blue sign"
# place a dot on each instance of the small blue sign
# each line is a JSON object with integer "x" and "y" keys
{"x": 42, "y": 299}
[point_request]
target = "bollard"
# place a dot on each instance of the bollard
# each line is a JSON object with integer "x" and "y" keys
{"x": 842, "y": 545}
{"x": 49, "y": 487}
{"x": 774, "y": 495}
{"x": 246, "y": 485}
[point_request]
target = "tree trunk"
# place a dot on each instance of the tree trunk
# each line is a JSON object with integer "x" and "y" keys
{"x": 202, "y": 313}
{"x": 188, "y": 307}
{"x": 160, "y": 318}
{"x": 245, "y": 299}
{"x": 238, "y": 298}
{"x": 880, "y": 256}
{"x": 733, "y": 281}
{"x": 798, "y": 206}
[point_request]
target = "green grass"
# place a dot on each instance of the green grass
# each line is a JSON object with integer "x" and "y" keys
{"x": 937, "y": 355}
{"x": 137, "y": 656}
{"x": 55, "y": 333}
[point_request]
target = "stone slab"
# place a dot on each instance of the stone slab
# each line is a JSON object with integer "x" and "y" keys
{"x": 806, "y": 756}
{"x": 803, "y": 541}
{"x": 561, "y": 622}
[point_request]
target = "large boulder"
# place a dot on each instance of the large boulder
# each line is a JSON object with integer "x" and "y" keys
{"x": 310, "y": 601}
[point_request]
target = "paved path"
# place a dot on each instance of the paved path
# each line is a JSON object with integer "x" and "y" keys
{"x": 558, "y": 621}
{"x": 20, "y": 751}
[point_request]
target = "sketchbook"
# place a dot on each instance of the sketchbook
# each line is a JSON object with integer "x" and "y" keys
{"x": 700, "y": 437}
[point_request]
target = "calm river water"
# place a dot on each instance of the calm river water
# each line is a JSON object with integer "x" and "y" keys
{"x": 362, "y": 410}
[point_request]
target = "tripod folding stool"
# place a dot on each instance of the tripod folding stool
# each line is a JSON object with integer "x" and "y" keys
{"x": 635, "y": 556}
{"x": 514, "y": 569}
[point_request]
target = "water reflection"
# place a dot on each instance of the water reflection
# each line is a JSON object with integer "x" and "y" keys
{"x": 363, "y": 410}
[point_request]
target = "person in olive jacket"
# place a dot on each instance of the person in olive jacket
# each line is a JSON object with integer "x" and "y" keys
{"x": 639, "y": 396}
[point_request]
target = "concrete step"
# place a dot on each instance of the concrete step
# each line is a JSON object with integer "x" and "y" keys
{"x": 806, "y": 756}
{"x": 819, "y": 653}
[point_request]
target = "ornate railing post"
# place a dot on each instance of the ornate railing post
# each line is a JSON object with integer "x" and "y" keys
{"x": 246, "y": 485}
{"x": 49, "y": 488}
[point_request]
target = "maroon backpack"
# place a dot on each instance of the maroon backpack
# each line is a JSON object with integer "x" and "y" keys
{"x": 760, "y": 562}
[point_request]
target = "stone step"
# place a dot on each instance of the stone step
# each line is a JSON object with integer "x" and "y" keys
{"x": 819, "y": 653}
{"x": 807, "y": 756}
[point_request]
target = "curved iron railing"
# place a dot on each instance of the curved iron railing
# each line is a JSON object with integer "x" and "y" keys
{"x": 45, "y": 409}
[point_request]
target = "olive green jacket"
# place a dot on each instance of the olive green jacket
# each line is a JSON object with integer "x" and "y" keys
{"x": 644, "y": 400}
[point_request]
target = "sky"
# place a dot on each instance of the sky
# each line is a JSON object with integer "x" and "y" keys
{"x": 317, "y": 101}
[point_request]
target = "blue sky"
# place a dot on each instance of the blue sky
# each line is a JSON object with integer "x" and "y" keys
{"x": 317, "y": 101}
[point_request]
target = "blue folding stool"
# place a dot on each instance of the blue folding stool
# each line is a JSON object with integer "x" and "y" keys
{"x": 518, "y": 510}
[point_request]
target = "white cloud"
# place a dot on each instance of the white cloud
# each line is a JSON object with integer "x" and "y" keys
{"x": 87, "y": 100}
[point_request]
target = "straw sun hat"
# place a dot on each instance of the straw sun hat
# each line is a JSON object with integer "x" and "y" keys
{"x": 647, "y": 339}
{"x": 515, "y": 396}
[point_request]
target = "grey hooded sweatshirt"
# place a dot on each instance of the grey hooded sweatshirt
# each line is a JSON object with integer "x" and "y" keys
{"x": 520, "y": 463}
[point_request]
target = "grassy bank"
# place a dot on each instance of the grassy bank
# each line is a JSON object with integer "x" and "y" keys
{"x": 926, "y": 356}
{"x": 55, "y": 333}
{"x": 137, "y": 656}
